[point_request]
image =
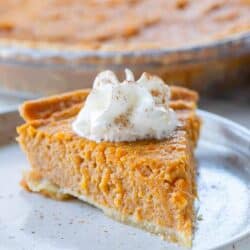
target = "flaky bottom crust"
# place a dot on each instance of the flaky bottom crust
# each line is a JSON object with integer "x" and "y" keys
{"x": 47, "y": 188}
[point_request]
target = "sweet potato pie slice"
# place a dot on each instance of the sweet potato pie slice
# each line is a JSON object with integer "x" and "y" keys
{"x": 149, "y": 184}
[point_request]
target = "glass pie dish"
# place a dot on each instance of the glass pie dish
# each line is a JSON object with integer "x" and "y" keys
{"x": 208, "y": 67}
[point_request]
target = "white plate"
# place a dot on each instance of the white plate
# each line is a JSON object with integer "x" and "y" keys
{"x": 31, "y": 222}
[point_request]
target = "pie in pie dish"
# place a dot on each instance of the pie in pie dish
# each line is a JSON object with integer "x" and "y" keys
{"x": 121, "y": 24}
{"x": 146, "y": 183}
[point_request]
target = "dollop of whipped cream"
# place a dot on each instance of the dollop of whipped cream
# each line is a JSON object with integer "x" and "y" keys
{"x": 126, "y": 111}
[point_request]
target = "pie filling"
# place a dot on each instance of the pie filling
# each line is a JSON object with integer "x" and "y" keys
{"x": 123, "y": 24}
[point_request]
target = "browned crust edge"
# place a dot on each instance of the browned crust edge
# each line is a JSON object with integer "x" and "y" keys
{"x": 45, "y": 108}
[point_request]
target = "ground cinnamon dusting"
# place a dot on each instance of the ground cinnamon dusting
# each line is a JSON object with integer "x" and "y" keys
{"x": 122, "y": 120}
{"x": 181, "y": 4}
{"x": 155, "y": 92}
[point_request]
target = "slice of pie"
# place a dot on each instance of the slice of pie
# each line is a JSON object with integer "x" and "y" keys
{"x": 149, "y": 183}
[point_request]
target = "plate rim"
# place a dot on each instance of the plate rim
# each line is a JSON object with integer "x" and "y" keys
{"x": 245, "y": 131}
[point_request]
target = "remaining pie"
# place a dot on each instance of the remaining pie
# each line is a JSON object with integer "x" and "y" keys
{"x": 149, "y": 183}
{"x": 121, "y": 24}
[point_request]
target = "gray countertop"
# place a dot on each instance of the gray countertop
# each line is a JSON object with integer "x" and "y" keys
{"x": 233, "y": 104}
{"x": 236, "y": 111}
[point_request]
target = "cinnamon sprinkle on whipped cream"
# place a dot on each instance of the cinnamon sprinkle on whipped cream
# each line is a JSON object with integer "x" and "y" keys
{"x": 126, "y": 111}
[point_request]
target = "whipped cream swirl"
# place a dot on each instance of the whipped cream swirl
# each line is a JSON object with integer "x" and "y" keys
{"x": 126, "y": 111}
